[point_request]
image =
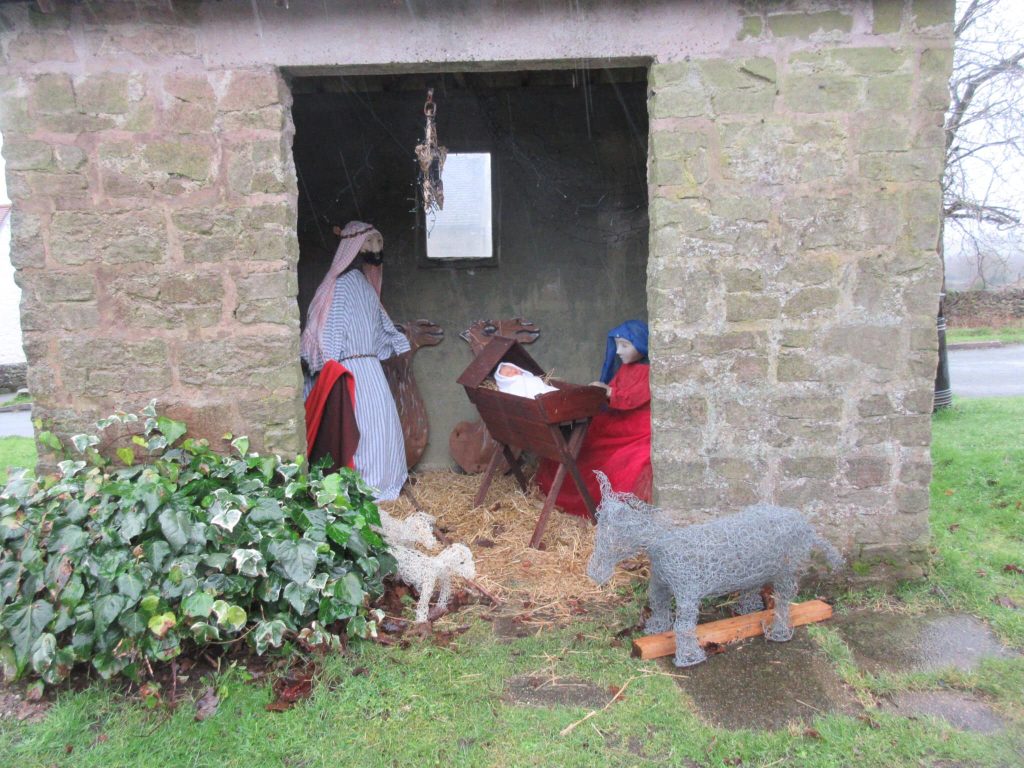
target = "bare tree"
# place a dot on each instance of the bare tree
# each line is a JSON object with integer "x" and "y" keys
{"x": 985, "y": 135}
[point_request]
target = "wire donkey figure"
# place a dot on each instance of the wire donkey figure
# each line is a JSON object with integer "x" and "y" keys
{"x": 735, "y": 553}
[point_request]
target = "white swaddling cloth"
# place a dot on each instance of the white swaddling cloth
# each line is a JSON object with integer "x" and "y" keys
{"x": 522, "y": 383}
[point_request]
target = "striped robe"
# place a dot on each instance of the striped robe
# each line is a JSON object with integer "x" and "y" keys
{"x": 357, "y": 326}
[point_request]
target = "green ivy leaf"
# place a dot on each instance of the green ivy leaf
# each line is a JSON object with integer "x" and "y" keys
{"x": 176, "y": 525}
{"x": 204, "y": 633}
{"x": 249, "y": 562}
{"x": 171, "y": 429}
{"x": 130, "y": 585}
{"x": 226, "y": 519}
{"x": 197, "y": 605}
{"x": 339, "y": 533}
{"x": 235, "y": 617}
{"x": 44, "y": 648}
{"x": 106, "y": 610}
{"x": 349, "y": 589}
{"x": 241, "y": 444}
{"x": 268, "y": 634}
{"x": 297, "y": 558}
{"x": 25, "y": 623}
{"x": 150, "y": 603}
{"x": 162, "y": 623}
{"x": 266, "y": 510}
{"x": 126, "y": 455}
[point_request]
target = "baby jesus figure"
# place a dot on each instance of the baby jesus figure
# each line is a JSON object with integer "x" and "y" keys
{"x": 514, "y": 380}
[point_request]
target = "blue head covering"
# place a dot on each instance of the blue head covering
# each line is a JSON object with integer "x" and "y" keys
{"x": 633, "y": 330}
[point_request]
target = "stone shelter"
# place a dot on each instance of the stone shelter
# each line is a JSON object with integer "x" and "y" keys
{"x": 757, "y": 178}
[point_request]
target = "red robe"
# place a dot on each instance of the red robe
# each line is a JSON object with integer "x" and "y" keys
{"x": 618, "y": 443}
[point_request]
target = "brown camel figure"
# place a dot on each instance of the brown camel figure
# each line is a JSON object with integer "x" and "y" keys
{"x": 412, "y": 411}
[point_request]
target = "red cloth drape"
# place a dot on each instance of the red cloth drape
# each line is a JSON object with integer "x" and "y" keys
{"x": 618, "y": 443}
{"x": 333, "y": 398}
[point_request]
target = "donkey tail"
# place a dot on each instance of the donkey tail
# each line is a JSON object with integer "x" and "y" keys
{"x": 835, "y": 560}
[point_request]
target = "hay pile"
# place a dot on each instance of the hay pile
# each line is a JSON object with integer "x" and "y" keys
{"x": 550, "y": 581}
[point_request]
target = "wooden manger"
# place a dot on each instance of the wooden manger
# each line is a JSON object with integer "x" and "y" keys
{"x": 552, "y": 425}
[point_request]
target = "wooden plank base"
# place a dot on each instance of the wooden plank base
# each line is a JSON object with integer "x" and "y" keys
{"x": 731, "y": 630}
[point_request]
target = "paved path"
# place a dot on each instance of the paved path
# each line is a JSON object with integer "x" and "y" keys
{"x": 17, "y": 423}
{"x": 997, "y": 372}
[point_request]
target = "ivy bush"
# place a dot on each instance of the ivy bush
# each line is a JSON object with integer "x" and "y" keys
{"x": 124, "y": 562}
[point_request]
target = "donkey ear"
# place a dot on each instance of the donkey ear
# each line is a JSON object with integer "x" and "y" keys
{"x": 602, "y": 481}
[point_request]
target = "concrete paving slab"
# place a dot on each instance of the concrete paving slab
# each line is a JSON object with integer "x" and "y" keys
{"x": 764, "y": 685}
{"x": 545, "y": 691}
{"x": 888, "y": 642}
{"x": 959, "y": 709}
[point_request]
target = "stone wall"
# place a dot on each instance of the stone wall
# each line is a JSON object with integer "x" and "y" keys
{"x": 794, "y": 156}
{"x": 13, "y": 376}
{"x": 969, "y": 309}
{"x": 793, "y": 279}
{"x": 154, "y": 222}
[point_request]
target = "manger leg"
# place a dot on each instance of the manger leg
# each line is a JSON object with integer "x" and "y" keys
{"x": 515, "y": 463}
{"x": 569, "y": 454}
{"x": 549, "y": 503}
{"x": 785, "y": 590}
{"x": 659, "y": 598}
{"x": 688, "y": 650}
{"x": 407, "y": 490}
{"x": 485, "y": 484}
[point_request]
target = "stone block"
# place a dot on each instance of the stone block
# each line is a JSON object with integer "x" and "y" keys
{"x": 148, "y": 42}
{"x": 187, "y": 300}
{"x": 107, "y": 93}
{"x": 746, "y": 307}
{"x": 267, "y": 285}
{"x": 76, "y": 286}
{"x": 871, "y": 345}
{"x": 750, "y": 27}
{"x": 778, "y": 150}
{"x": 816, "y": 93}
{"x": 249, "y": 91}
{"x": 916, "y": 472}
{"x": 813, "y": 268}
{"x": 922, "y": 209}
{"x": 887, "y": 16}
{"x": 271, "y": 362}
{"x": 912, "y": 499}
{"x": 793, "y": 366}
{"x": 873, "y": 61}
{"x": 932, "y": 13}
{"x": 743, "y": 279}
{"x": 273, "y": 118}
{"x": 69, "y": 157}
{"x": 912, "y": 165}
{"x": 688, "y": 215}
{"x": 867, "y": 471}
{"x": 913, "y": 430}
{"x": 749, "y": 368}
{"x": 808, "y": 467}
{"x": 808, "y": 25}
{"x": 936, "y": 68}
{"x": 260, "y": 167}
{"x": 920, "y": 400}
{"x": 274, "y": 311}
{"x": 55, "y": 315}
{"x": 38, "y": 47}
{"x": 52, "y": 94}
{"x": 719, "y": 345}
{"x": 804, "y": 493}
{"x": 168, "y": 167}
{"x": 23, "y": 154}
{"x": 880, "y": 132}
{"x": 874, "y": 405}
{"x": 809, "y": 301}
{"x": 110, "y": 368}
{"x": 889, "y": 92}
{"x": 27, "y": 251}
{"x": 107, "y": 237}
{"x": 740, "y": 86}
{"x": 812, "y": 407}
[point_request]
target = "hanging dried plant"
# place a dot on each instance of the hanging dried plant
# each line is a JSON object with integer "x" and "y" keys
{"x": 431, "y": 159}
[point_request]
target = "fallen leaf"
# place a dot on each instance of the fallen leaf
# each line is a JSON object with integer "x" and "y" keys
{"x": 872, "y": 724}
{"x": 1005, "y": 602}
{"x": 207, "y": 704}
{"x": 981, "y": 572}
{"x": 295, "y": 685}
{"x": 812, "y": 733}
{"x": 733, "y": 761}
{"x": 950, "y": 491}
{"x": 360, "y": 671}
{"x": 954, "y": 527}
{"x": 68, "y": 749}
{"x": 714, "y": 648}
{"x": 615, "y": 691}
{"x": 480, "y": 541}
{"x": 1013, "y": 568}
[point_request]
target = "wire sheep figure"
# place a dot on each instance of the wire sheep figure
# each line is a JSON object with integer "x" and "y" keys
{"x": 417, "y": 528}
{"x": 423, "y": 572}
{"x": 736, "y": 553}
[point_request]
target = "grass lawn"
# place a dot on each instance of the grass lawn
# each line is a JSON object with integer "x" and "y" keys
{"x": 16, "y": 452}
{"x": 1008, "y": 334}
{"x": 430, "y": 705}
